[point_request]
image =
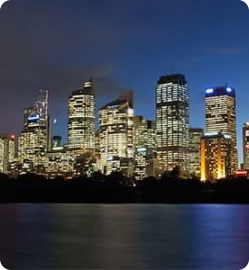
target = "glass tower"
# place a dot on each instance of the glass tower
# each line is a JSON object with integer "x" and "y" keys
{"x": 34, "y": 139}
{"x": 194, "y": 162}
{"x": 221, "y": 117}
{"x": 172, "y": 122}
{"x": 81, "y": 119}
{"x": 116, "y": 129}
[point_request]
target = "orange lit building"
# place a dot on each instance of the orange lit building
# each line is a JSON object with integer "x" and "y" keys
{"x": 215, "y": 156}
{"x": 220, "y": 104}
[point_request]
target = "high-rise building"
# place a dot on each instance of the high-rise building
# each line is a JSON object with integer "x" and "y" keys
{"x": 145, "y": 147}
{"x": 194, "y": 160}
{"x": 7, "y": 152}
{"x": 116, "y": 129}
{"x": 215, "y": 156}
{"x": 81, "y": 119}
{"x": 221, "y": 117}
{"x": 246, "y": 146}
{"x": 35, "y": 138}
{"x": 172, "y": 122}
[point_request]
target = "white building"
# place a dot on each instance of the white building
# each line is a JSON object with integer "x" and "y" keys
{"x": 116, "y": 129}
{"x": 172, "y": 122}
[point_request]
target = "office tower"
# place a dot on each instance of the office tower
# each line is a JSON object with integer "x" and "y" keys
{"x": 194, "y": 163}
{"x": 145, "y": 147}
{"x": 221, "y": 117}
{"x": 215, "y": 156}
{"x": 34, "y": 138}
{"x": 81, "y": 119}
{"x": 246, "y": 146}
{"x": 172, "y": 122}
{"x": 116, "y": 129}
{"x": 7, "y": 152}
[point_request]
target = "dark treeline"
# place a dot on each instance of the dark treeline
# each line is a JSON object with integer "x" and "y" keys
{"x": 117, "y": 188}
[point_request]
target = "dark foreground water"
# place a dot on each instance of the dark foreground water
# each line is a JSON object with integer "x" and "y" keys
{"x": 124, "y": 237}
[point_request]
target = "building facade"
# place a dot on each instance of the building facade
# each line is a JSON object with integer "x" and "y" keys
{"x": 7, "y": 152}
{"x": 116, "y": 128}
{"x": 246, "y": 146}
{"x": 145, "y": 147}
{"x": 215, "y": 156}
{"x": 194, "y": 163}
{"x": 59, "y": 163}
{"x": 81, "y": 119}
{"x": 34, "y": 140}
{"x": 172, "y": 122}
{"x": 221, "y": 117}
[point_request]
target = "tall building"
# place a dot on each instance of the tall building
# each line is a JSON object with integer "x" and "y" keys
{"x": 35, "y": 138}
{"x": 215, "y": 156}
{"x": 194, "y": 163}
{"x": 246, "y": 146}
{"x": 7, "y": 152}
{"x": 172, "y": 122}
{"x": 81, "y": 119}
{"x": 116, "y": 129}
{"x": 221, "y": 117}
{"x": 145, "y": 147}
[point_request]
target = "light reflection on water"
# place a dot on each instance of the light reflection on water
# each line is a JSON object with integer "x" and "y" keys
{"x": 124, "y": 236}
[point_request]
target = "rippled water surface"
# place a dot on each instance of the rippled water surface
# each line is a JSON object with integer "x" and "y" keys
{"x": 124, "y": 236}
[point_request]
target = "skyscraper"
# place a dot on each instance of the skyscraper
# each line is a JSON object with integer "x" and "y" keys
{"x": 221, "y": 117}
{"x": 194, "y": 162}
{"x": 172, "y": 122}
{"x": 81, "y": 119}
{"x": 34, "y": 138}
{"x": 145, "y": 147}
{"x": 215, "y": 156}
{"x": 246, "y": 146}
{"x": 116, "y": 129}
{"x": 7, "y": 151}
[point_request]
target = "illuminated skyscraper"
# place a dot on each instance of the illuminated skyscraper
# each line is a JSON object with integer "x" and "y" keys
{"x": 34, "y": 138}
{"x": 145, "y": 147}
{"x": 116, "y": 129}
{"x": 215, "y": 156}
{"x": 172, "y": 122}
{"x": 221, "y": 117}
{"x": 7, "y": 152}
{"x": 246, "y": 146}
{"x": 81, "y": 119}
{"x": 194, "y": 163}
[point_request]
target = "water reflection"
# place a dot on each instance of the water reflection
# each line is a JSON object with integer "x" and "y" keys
{"x": 124, "y": 236}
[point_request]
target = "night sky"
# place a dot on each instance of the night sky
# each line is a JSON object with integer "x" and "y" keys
{"x": 56, "y": 44}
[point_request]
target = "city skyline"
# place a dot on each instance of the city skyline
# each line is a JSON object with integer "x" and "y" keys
{"x": 208, "y": 50}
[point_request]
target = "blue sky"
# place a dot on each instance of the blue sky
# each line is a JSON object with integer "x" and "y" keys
{"x": 124, "y": 45}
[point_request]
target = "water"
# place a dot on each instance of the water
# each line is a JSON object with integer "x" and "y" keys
{"x": 124, "y": 237}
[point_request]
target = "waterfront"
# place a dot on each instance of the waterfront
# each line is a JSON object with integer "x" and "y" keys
{"x": 64, "y": 236}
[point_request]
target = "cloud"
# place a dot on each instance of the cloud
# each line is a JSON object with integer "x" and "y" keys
{"x": 226, "y": 51}
{"x": 42, "y": 46}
